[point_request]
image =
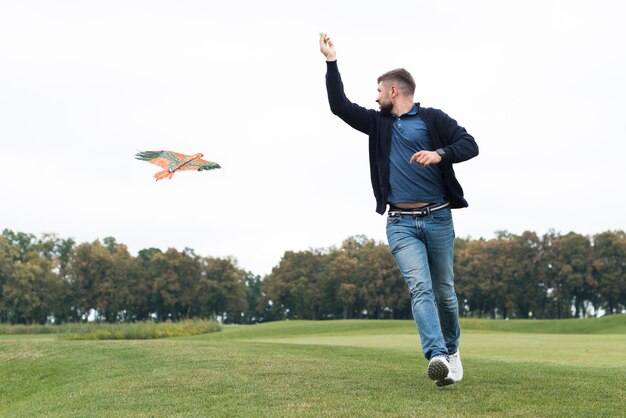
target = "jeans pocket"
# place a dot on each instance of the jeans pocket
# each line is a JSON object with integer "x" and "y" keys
{"x": 441, "y": 217}
{"x": 392, "y": 220}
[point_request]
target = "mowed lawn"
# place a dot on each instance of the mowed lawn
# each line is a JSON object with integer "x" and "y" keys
{"x": 322, "y": 368}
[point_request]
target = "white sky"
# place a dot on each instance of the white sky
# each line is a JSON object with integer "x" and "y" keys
{"x": 540, "y": 84}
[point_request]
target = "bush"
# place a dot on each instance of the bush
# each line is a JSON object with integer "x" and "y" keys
{"x": 128, "y": 331}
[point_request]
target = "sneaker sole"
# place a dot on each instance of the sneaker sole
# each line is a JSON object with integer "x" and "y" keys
{"x": 437, "y": 370}
{"x": 444, "y": 382}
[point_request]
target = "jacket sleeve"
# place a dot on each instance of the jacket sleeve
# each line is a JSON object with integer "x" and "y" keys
{"x": 457, "y": 143}
{"x": 354, "y": 115}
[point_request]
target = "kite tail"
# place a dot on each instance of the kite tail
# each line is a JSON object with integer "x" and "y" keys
{"x": 165, "y": 174}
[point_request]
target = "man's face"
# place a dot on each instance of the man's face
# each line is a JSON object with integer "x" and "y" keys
{"x": 384, "y": 98}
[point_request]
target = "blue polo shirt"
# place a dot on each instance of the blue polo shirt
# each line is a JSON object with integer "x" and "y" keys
{"x": 412, "y": 182}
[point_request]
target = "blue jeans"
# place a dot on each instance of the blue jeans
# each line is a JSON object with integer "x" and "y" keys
{"x": 424, "y": 251}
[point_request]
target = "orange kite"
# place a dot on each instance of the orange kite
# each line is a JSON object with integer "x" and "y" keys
{"x": 173, "y": 162}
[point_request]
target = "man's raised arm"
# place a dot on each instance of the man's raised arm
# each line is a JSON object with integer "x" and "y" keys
{"x": 354, "y": 115}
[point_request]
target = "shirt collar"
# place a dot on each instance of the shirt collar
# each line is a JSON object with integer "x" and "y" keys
{"x": 414, "y": 111}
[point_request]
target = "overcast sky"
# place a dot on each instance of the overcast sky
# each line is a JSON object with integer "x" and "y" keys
{"x": 84, "y": 85}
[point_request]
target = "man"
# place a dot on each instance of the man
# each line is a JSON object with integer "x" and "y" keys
{"x": 411, "y": 152}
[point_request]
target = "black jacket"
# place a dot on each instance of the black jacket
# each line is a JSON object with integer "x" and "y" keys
{"x": 444, "y": 131}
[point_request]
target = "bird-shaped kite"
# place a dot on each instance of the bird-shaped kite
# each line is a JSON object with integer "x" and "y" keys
{"x": 173, "y": 162}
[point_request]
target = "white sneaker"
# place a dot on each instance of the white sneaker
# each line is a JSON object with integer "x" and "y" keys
{"x": 438, "y": 368}
{"x": 456, "y": 371}
{"x": 456, "y": 368}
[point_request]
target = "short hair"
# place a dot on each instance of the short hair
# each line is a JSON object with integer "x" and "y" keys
{"x": 402, "y": 78}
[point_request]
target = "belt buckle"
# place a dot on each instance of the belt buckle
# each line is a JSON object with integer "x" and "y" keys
{"x": 425, "y": 211}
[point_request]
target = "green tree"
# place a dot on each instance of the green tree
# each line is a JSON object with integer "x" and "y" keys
{"x": 7, "y": 255}
{"x": 480, "y": 268}
{"x": 173, "y": 276}
{"x": 467, "y": 269}
{"x": 123, "y": 296}
{"x": 26, "y": 290}
{"x": 293, "y": 286}
{"x": 28, "y": 284}
{"x": 524, "y": 288}
{"x": 342, "y": 275}
{"x": 609, "y": 270}
{"x": 59, "y": 251}
{"x": 23, "y": 243}
{"x": 89, "y": 274}
{"x": 222, "y": 289}
{"x": 567, "y": 273}
{"x": 258, "y": 310}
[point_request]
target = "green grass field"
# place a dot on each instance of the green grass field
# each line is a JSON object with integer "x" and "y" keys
{"x": 327, "y": 368}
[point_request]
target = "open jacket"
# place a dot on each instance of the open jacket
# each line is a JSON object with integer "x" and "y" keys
{"x": 444, "y": 131}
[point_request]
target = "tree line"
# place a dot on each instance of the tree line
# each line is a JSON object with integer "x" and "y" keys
{"x": 49, "y": 279}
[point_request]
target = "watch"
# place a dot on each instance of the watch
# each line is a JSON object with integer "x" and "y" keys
{"x": 441, "y": 153}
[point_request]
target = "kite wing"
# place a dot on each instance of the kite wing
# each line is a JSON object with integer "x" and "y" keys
{"x": 164, "y": 159}
{"x": 200, "y": 165}
{"x": 173, "y": 161}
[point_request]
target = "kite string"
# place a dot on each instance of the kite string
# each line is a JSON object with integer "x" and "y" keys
{"x": 184, "y": 163}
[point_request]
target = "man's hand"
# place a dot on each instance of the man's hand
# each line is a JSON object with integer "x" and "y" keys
{"x": 327, "y": 47}
{"x": 426, "y": 158}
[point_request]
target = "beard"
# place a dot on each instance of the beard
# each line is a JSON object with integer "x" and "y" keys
{"x": 386, "y": 108}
